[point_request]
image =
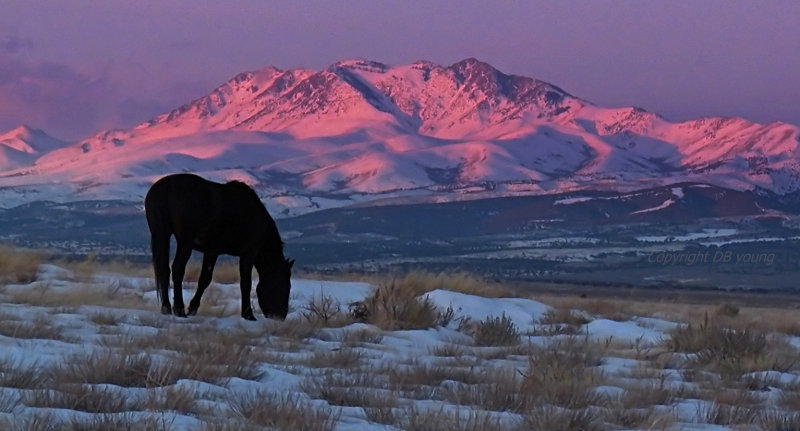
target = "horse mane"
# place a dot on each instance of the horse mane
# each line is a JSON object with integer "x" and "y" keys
{"x": 244, "y": 187}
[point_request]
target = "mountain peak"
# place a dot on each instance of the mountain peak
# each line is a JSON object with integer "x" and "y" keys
{"x": 23, "y": 131}
{"x": 362, "y": 64}
{"x": 361, "y": 127}
{"x": 473, "y": 67}
{"x": 20, "y": 146}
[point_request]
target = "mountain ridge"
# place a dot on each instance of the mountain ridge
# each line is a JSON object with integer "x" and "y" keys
{"x": 360, "y": 130}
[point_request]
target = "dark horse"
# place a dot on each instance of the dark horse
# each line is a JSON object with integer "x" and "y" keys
{"x": 216, "y": 219}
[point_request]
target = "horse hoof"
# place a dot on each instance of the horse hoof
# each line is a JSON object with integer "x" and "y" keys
{"x": 179, "y": 312}
{"x": 248, "y": 315}
{"x": 191, "y": 312}
{"x": 166, "y": 309}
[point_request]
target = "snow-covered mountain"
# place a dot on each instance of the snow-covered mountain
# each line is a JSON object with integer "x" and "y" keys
{"x": 361, "y": 130}
{"x": 23, "y": 145}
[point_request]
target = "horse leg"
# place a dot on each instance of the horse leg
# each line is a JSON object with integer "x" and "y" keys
{"x": 159, "y": 244}
{"x": 245, "y": 277}
{"x": 182, "y": 255}
{"x": 209, "y": 260}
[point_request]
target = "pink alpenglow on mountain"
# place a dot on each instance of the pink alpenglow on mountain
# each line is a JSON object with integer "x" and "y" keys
{"x": 361, "y": 130}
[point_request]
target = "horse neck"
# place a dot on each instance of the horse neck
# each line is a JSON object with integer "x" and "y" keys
{"x": 269, "y": 259}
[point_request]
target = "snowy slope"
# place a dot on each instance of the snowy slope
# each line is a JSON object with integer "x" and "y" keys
{"x": 23, "y": 145}
{"x": 360, "y": 130}
{"x": 90, "y": 351}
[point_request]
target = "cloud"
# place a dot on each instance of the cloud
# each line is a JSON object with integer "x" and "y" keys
{"x": 15, "y": 44}
{"x": 49, "y": 95}
{"x": 68, "y": 103}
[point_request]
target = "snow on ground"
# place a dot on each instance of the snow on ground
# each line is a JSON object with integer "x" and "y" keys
{"x": 663, "y": 205}
{"x": 524, "y": 313}
{"x": 625, "y": 331}
{"x": 705, "y": 233}
{"x": 93, "y": 349}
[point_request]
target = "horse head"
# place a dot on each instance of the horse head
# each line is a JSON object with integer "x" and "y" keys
{"x": 273, "y": 288}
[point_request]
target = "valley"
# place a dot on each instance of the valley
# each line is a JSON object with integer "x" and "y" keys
{"x": 708, "y": 239}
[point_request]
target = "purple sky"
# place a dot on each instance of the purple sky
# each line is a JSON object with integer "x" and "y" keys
{"x": 74, "y": 68}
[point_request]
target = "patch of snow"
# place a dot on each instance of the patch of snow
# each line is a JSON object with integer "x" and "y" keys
{"x": 663, "y": 205}
{"x": 623, "y": 331}
{"x": 523, "y": 312}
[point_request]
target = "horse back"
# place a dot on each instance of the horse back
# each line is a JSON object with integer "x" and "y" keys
{"x": 213, "y": 217}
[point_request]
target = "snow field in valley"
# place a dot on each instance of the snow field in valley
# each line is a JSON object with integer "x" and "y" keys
{"x": 91, "y": 351}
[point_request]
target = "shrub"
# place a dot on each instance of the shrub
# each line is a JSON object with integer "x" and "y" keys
{"x": 550, "y": 418}
{"x": 286, "y": 411}
{"x": 324, "y": 310}
{"x": 728, "y": 351}
{"x": 393, "y": 307}
{"x": 421, "y": 419}
{"x": 496, "y": 331}
{"x": 561, "y": 373}
{"x": 84, "y": 398}
{"x": 19, "y": 265}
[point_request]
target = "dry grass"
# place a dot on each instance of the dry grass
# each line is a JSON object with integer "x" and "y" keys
{"x": 325, "y": 311}
{"x": 121, "y": 422}
{"x": 106, "y": 318}
{"x": 292, "y": 329}
{"x": 359, "y": 337}
{"x": 421, "y": 282}
{"x": 210, "y": 362}
{"x": 41, "y": 327}
{"x": 550, "y": 418}
{"x": 431, "y": 419}
{"x": 565, "y": 308}
{"x": 214, "y": 304}
{"x": 731, "y": 352}
{"x": 648, "y": 418}
{"x": 500, "y": 390}
{"x": 563, "y": 373}
{"x": 564, "y": 316}
{"x": 774, "y": 419}
{"x": 171, "y": 398}
{"x": 84, "y": 398}
{"x": 21, "y": 375}
{"x": 790, "y": 400}
{"x": 397, "y": 307}
{"x": 284, "y": 411}
{"x": 412, "y": 377}
{"x": 108, "y": 366}
{"x": 496, "y": 331}
{"x": 556, "y": 388}
{"x": 8, "y": 403}
{"x": 225, "y": 272}
{"x": 345, "y": 358}
{"x": 112, "y": 295}
{"x": 723, "y": 414}
{"x": 449, "y": 350}
{"x": 85, "y": 268}
{"x": 230, "y": 424}
{"x": 363, "y": 389}
{"x": 648, "y": 394}
{"x": 39, "y": 421}
{"x": 20, "y": 265}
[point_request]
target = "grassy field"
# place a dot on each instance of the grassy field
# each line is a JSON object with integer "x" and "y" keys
{"x": 84, "y": 348}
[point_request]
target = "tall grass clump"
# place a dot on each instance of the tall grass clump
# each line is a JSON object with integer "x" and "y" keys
{"x": 285, "y": 411}
{"x": 730, "y": 352}
{"x": 496, "y": 331}
{"x": 20, "y": 265}
{"x": 396, "y": 307}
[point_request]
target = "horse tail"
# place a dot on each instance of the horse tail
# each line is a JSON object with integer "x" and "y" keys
{"x": 158, "y": 220}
